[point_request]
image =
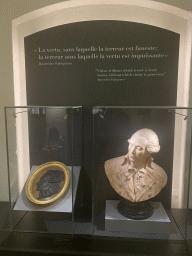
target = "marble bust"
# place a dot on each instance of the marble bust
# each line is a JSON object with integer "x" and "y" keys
{"x": 135, "y": 176}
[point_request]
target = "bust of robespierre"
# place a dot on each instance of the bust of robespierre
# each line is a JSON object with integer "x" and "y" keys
{"x": 135, "y": 176}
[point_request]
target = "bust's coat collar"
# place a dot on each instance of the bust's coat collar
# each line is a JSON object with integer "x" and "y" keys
{"x": 148, "y": 170}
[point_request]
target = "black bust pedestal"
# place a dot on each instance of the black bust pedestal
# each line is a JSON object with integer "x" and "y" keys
{"x": 137, "y": 211}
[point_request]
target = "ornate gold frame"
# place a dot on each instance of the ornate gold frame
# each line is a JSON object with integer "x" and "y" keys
{"x": 30, "y": 188}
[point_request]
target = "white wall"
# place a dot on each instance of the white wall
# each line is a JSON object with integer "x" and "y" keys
{"x": 10, "y": 10}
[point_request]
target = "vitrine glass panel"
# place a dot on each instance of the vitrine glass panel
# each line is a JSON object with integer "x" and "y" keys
{"x": 142, "y": 158}
{"x": 44, "y": 165}
{"x": 189, "y": 212}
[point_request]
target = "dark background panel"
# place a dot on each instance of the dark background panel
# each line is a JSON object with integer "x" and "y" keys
{"x": 77, "y": 84}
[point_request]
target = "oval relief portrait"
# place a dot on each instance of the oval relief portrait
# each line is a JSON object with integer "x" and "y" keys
{"x": 47, "y": 183}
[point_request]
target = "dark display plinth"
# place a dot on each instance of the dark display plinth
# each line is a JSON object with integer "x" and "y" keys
{"x": 136, "y": 211}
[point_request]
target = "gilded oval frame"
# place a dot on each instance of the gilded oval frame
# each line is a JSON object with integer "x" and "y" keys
{"x": 38, "y": 173}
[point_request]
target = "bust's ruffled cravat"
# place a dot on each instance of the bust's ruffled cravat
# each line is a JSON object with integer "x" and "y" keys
{"x": 137, "y": 176}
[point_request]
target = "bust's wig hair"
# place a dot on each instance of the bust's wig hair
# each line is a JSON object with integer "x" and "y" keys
{"x": 152, "y": 139}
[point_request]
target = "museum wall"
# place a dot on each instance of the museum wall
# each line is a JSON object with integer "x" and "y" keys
{"x": 11, "y": 10}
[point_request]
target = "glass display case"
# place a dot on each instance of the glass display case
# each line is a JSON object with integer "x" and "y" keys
{"x": 44, "y": 151}
{"x": 141, "y": 172}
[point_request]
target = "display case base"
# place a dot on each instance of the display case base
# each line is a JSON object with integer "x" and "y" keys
{"x": 159, "y": 222}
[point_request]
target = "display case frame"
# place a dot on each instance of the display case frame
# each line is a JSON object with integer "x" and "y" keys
{"x": 116, "y": 124}
{"x": 46, "y": 141}
{"x": 116, "y": 241}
